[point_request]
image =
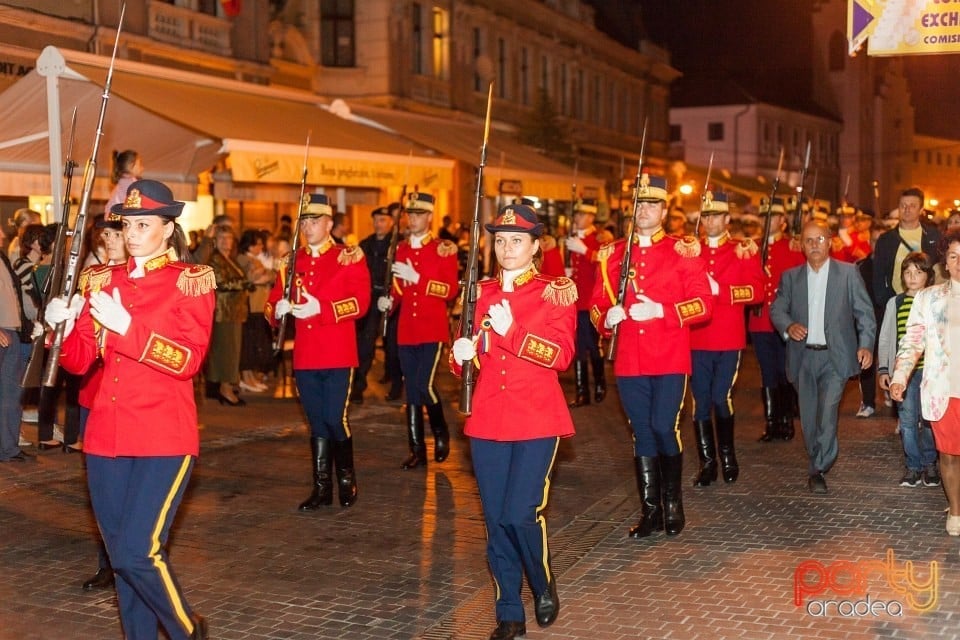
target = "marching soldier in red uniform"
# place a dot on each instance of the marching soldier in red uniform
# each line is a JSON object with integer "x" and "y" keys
{"x": 736, "y": 280}
{"x": 667, "y": 292}
{"x": 526, "y": 337}
{"x": 777, "y": 393}
{"x": 425, "y": 277}
{"x": 149, "y": 319}
{"x": 331, "y": 291}
{"x": 852, "y": 242}
{"x": 582, "y": 246}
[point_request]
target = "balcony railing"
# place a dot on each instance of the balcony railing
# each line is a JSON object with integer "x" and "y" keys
{"x": 189, "y": 29}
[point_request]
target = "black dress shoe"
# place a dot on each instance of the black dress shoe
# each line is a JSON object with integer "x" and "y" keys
{"x": 199, "y": 628}
{"x": 508, "y": 630}
{"x": 48, "y": 445}
{"x": 19, "y": 457}
{"x": 224, "y": 400}
{"x": 817, "y": 483}
{"x": 102, "y": 579}
{"x": 394, "y": 394}
{"x": 546, "y": 606}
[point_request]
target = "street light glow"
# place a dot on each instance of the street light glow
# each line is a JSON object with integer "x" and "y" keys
{"x": 686, "y": 189}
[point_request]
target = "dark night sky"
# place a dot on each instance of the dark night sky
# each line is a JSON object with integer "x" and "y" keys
{"x": 765, "y": 45}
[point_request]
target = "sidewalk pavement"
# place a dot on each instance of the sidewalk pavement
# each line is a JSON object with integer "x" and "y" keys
{"x": 868, "y": 560}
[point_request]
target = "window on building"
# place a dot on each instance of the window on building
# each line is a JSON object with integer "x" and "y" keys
{"x": 441, "y": 44}
{"x": 714, "y": 131}
{"x": 676, "y": 133}
{"x": 949, "y": 158}
{"x": 545, "y": 74}
{"x": 779, "y": 137}
{"x": 524, "y": 76}
{"x": 929, "y": 157}
{"x": 416, "y": 19}
{"x": 477, "y": 52}
{"x": 502, "y": 68}
{"x": 595, "y": 111}
{"x": 337, "y": 33}
{"x": 837, "y": 54}
{"x": 578, "y": 89}
{"x": 938, "y": 158}
{"x": 612, "y": 101}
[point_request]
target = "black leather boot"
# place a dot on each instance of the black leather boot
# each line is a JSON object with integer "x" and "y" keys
{"x": 788, "y": 410}
{"x": 707, "y": 451}
{"x": 346, "y": 478}
{"x": 418, "y": 449}
{"x": 671, "y": 469}
{"x": 648, "y": 483}
{"x": 771, "y": 416}
{"x": 599, "y": 379}
{"x": 322, "y": 480}
{"x": 441, "y": 433}
{"x": 728, "y": 457}
{"x": 580, "y": 380}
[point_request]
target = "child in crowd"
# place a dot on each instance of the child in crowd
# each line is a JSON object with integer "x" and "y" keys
{"x": 915, "y": 433}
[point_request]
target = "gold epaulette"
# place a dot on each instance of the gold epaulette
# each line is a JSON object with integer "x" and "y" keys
{"x": 196, "y": 279}
{"x": 687, "y": 246}
{"x": 605, "y": 251}
{"x": 445, "y": 248}
{"x": 94, "y": 278}
{"x": 746, "y": 248}
{"x": 547, "y": 243}
{"x": 795, "y": 244}
{"x": 559, "y": 291}
{"x": 350, "y": 255}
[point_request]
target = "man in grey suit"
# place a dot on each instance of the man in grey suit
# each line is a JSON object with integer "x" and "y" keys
{"x": 823, "y": 311}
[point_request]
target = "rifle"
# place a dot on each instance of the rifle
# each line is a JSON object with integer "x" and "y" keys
{"x": 880, "y": 215}
{"x": 628, "y": 251}
{"x": 468, "y": 378}
{"x": 571, "y": 232}
{"x": 846, "y": 193}
{"x": 703, "y": 197}
{"x": 31, "y": 375}
{"x": 392, "y": 251}
{"x": 765, "y": 244}
{"x": 619, "y": 231}
{"x": 798, "y": 218}
{"x": 79, "y": 228}
{"x": 291, "y": 265}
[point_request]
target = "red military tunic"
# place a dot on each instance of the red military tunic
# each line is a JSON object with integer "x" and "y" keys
{"x": 735, "y": 265}
{"x": 552, "y": 262}
{"x": 668, "y": 273}
{"x": 423, "y": 312}
{"x": 337, "y": 276}
{"x": 850, "y": 246}
{"x": 783, "y": 254}
{"x": 518, "y": 394}
{"x": 144, "y": 405}
{"x": 584, "y": 267}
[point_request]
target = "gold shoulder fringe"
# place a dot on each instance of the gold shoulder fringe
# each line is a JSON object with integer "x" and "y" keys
{"x": 198, "y": 280}
{"x": 688, "y": 247}
{"x": 548, "y": 243}
{"x": 605, "y": 251}
{"x": 747, "y": 248}
{"x": 350, "y": 255}
{"x": 795, "y": 244}
{"x": 446, "y": 248}
{"x": 561, "y": 292}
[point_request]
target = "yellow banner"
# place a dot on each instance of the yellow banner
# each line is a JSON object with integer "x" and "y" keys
{"x": 905, "y": 27}
{"x": 287, "y": 168}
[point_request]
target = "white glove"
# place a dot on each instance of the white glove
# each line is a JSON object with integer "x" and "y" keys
{"x": 37, "y": 331}
{"x": 284, "y": 307}
{"x": 576, "y": 245}
{"x": 108, "y": 310}
{"x": 714, "y": 285}
{"x": 615, "y": 316}
{"x": 384, "y": 304}
{"x": 501, "y": 317}
{"x": 58, "y": 311}
{"x": 464, "y": 350}
{"x": 568, "y": 271}
{"x": 646, "y": 309}
{"x": 405, "y": 271}
{"x": 308, "y": 309}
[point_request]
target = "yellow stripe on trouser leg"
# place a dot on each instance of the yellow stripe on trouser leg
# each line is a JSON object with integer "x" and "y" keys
{"x": 172, "y": 593}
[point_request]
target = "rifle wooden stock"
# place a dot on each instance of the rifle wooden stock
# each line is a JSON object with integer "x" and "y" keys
{"x": 72, "y": 270}
{"x": 292, "y": 258}
{"x": 468, "y": 376}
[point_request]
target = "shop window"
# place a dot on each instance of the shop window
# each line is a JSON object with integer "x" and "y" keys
{"x": 441, "y": 44}
{"x": 337, "y": 33}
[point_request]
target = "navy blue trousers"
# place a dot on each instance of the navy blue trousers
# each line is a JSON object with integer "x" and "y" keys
{"x": 419, "y": 364}
{"x": 714, "y": 373}
{"x": 652, "y": 405}
{"x": 324, "y": 396}
{"x": 514, "y": 482}
{"x": 771, "y": 353}
{"x": 135, "y": 501}
{"x": 588, "y": 340}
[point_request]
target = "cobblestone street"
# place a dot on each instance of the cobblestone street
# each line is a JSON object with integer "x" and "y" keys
{"x": 407, "y": 561}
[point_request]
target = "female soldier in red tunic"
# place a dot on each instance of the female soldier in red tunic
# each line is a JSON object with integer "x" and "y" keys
{"x": 150, "y": 319}
{"x": 527, "y": 333}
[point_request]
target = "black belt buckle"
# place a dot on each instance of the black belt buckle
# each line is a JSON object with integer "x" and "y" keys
{"x": 817, "y": 347}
